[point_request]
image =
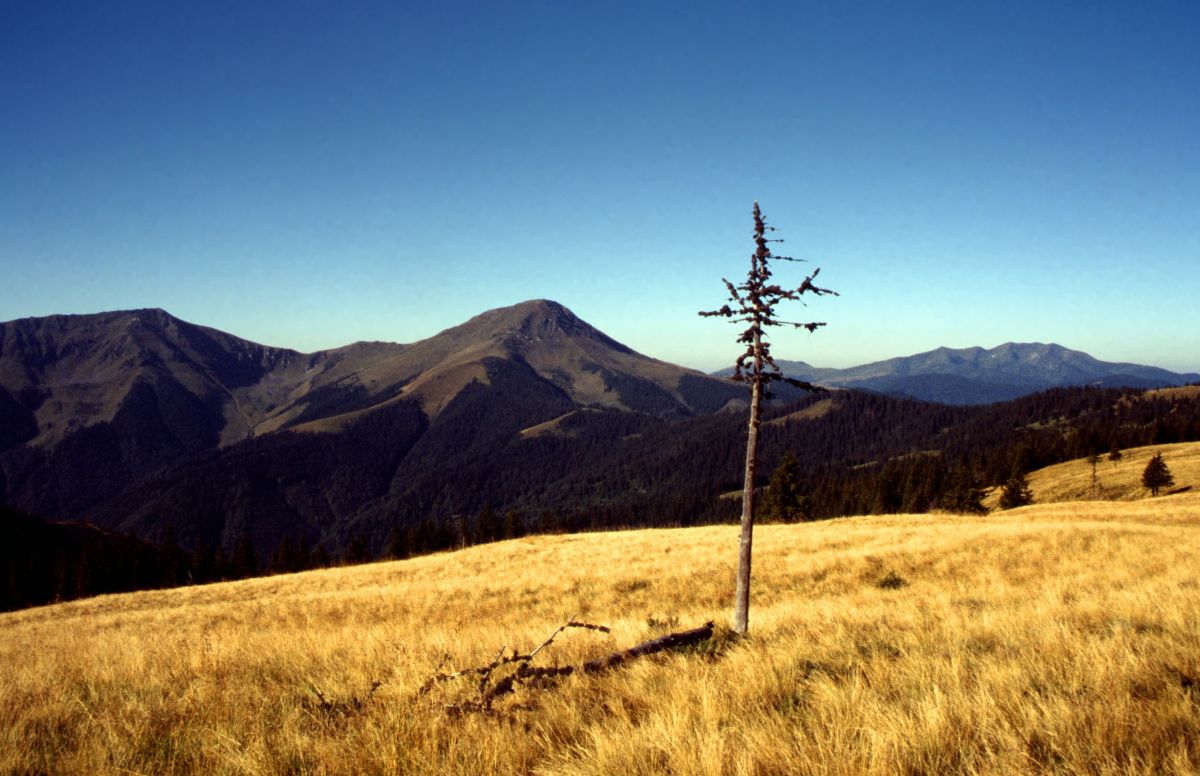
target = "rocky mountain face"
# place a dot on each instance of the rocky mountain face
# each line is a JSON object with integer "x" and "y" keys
{"x": 981, "y": 376}
{"x": 121, "y": 417}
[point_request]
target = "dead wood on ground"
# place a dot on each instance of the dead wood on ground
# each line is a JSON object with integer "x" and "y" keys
{"x": 488, "y": 691}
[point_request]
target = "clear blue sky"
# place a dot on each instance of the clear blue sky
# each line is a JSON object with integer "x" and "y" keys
{"x": 307, "y": 174}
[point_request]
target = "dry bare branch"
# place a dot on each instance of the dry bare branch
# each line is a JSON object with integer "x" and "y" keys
{"x": 487, "y": 694}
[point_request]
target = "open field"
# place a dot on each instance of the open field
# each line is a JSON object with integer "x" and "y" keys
{"x": 1059, "y": 638}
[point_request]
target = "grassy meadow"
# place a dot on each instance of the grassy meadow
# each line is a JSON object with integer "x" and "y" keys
{"x": 1057, "y": 638}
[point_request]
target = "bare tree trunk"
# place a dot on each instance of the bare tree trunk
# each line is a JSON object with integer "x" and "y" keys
{"x": 741, "y": 608}
{"x": 756, "y": 300}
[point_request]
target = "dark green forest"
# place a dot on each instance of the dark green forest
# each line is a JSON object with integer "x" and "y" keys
{"x": 392, "y": 485}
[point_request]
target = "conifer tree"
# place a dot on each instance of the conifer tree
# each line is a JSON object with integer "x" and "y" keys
{"x": 784, "y": 500}
{"x": 486, "y": 526}
{"x": 1016, "y": 491}
{"x": 963, "y": 492}
{"x": 398, "y": 547}
{"x": 357, "y": 550}
{"x": 754, "y": 305}
{"x": 319, "y": 558}
{"x": 514, "y": 524}
{"x": 205, "y": 567}
{"x": 286, "y": 557}
{"x": 244, "y": 562}
{"x": 1156, "y": 475}
{"x": 172, "y": 557}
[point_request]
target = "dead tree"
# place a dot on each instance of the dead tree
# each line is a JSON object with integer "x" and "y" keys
{"x": 1094, "y": 460}
{"x": 754, "y": 304}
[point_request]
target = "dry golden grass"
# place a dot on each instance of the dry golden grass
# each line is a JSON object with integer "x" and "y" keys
{"x": 1049, "y": 639}
{"x": 1119, "y": 480}
{"x": 1177, "y": 392}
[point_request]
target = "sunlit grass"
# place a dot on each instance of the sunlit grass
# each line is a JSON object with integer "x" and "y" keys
{"x": 1119, "y": 480}
{"x": 1061, "y": 638}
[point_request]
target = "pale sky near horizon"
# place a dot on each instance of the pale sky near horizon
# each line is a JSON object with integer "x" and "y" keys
{"x": 307, "y": 174}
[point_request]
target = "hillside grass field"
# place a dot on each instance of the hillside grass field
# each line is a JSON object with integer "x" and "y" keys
{"x": 1057, "y": 638}
{"x": 1119, "y": 480}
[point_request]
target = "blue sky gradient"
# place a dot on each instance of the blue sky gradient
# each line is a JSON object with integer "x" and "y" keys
{"x": 307, "y": 174}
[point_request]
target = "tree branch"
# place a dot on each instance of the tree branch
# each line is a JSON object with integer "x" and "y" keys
{"x": 488, "y": 693}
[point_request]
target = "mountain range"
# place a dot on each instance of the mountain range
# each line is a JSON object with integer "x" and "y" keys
{"x": 979, "y": 376}
{"x": 65, "y": 373}
{"x": 119, "y": 417}
{"x": 141, "y": 423}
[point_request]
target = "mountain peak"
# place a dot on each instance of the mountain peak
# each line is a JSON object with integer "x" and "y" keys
{"x": 534, "y": 320}
{"x": 537, "y": 312}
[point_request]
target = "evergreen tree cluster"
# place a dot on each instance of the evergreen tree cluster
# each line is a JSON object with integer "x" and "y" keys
{"x": 42, "y": 562}
{"x": 979, "y": 447}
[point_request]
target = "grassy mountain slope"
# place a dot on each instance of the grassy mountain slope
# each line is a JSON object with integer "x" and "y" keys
{"x": 1117, "y": 480}
{"x": 1057, "y": 638}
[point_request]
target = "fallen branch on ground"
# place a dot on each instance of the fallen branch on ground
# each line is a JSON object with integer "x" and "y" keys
{"x": 488, "y": 692}
{"x": 500, "y": 660}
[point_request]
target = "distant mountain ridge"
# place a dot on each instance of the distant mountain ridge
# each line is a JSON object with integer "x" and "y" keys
{"x": 92, "y": 404}
{"x": 982, "y": 376}
{"x": 62, "y": 373}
